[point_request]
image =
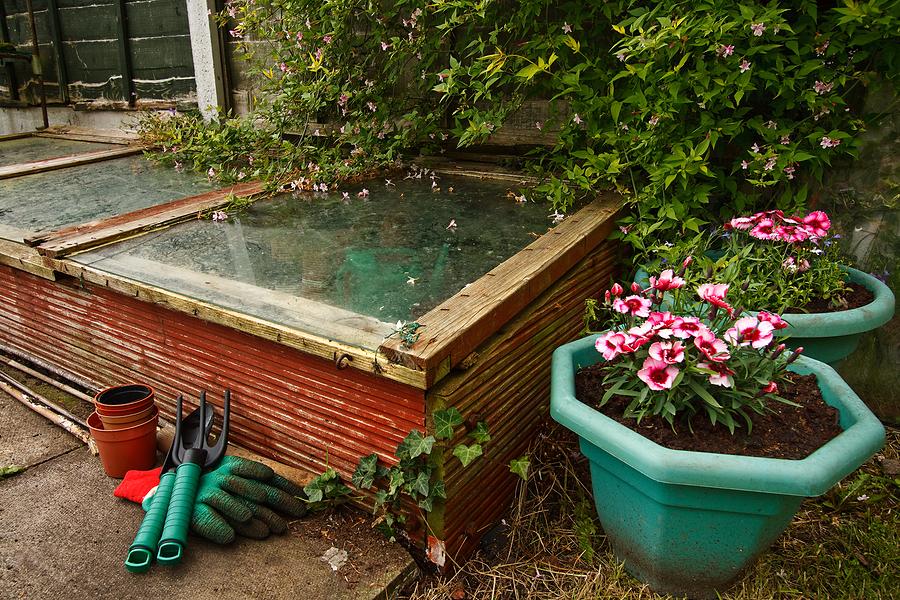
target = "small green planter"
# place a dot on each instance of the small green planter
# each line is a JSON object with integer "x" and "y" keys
{"x": 688, "y": 523}
{"x": 831, "y": 337}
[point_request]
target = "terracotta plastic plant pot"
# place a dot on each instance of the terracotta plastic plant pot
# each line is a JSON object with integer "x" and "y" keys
{"x": 688, "y": 523}
{"x": 124, "y": 399}
{"x": 125, "y": 421}
{"x": 124, "y": 449}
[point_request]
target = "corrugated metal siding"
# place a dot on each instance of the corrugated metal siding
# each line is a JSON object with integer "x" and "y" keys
{"x": 509, "y": 388}
{"x": 287, "y": 405}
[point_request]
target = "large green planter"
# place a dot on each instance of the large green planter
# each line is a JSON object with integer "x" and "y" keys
{"x": 688, "y": 523}
{"x": 831, "y": 337}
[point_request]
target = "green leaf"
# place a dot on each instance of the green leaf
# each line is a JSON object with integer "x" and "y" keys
{"x": 414, "y": 445}
{"x": 396, "y": 480}
{"x": 10, "y": 470}
{"x": 421, "y": 484}
{"x": 364, "y": 475}
{"x": 438, "y": 490}
{"x": 698, "y": 389}
{"x": 519, "y": 466}
{"x": 480, "y": 434}
{"x": 529, "y": 71}
{"x": 445, "y": 421}
{"x": 466, "y": 454}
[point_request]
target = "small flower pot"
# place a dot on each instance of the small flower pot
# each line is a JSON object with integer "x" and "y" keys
{"x": 124, "y": 421}
{"x": 124, "y": 449}
{"x": 831, "y": 337}
{"x": 688, "y": 523}
{"x": 124, "y": 400}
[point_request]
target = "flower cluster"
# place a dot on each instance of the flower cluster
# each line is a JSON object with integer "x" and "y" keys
{"x": 773, "y": 225}
{"x": 674, "y": 352}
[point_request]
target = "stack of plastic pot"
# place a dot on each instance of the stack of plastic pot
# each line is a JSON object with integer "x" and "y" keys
{"x": 124, "y": 427}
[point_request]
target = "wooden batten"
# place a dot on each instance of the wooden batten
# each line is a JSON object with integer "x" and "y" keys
{"x": 73, "y": 160}
{"x": 507, "y": 384}
{"x": 26, "y": 259}
{"x": 78, "y": 238}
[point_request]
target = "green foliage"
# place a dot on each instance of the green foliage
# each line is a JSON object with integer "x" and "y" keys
{"x": 520, "y": 466}
{"x": 692, "y": 109}
{"x": 10, "y": 470}
{"x": 414, "y": 476}
{"x": 326, "y": 487}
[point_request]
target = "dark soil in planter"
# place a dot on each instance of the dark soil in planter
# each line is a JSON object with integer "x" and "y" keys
{"x": 859, "y": 295}
{"x": 784, "y": 432}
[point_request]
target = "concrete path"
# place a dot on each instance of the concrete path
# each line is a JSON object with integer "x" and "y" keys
{"x": 64, "y": 535}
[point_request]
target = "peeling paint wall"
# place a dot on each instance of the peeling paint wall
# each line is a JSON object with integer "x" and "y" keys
{"x": 81, "y": 45}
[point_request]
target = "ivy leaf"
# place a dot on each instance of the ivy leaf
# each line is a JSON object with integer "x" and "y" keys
{"x": 415, "y": 444}
{"x": 421, "y": 484}
{"x": 364, "y": 475}
{"x": 519, "y": 466}
{"x": 426, "y": 503}
{"x": 445, "y": 421}
{"x": 438, "y": 490}
{"x": 326, "y": 486}
{"x": 395, "y": 481}
{"x": 466, "y": 454}
{"x": 480, "y": 434}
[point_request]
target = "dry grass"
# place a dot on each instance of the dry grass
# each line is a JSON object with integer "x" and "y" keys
{"x": 843, "y": 545}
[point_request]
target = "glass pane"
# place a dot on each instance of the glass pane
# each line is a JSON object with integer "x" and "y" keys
{"x": 357, "y": 263}
{"x": 30, "y": 149}
{"x": 55, "y": 199}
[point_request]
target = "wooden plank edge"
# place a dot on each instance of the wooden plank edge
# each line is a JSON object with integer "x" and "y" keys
{"x": 93, "y": 234}
{"x": 374, "y": 362}
{"x": 61, "y": 162}
{"x": 122, "y": 138}
{"x": 15, "y": 136}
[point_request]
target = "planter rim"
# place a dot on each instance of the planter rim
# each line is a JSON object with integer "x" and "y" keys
{"x": 845, "y": 322}
{"x": 811, "y": 476}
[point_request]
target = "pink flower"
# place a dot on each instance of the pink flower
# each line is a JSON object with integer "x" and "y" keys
{"x": 827, "y": 142}
{"x": 791, "y": 233}
{"x": 384, "y": 46}
{"x": 657, "y": 374}
{"x": 661, "y": 323}
{"x": 757, "y": 28}
{"x": 712, "y": 347}
{"x": 654, "y": 120}
{"x": 764, "y": 230}
{"x": 822, "y": 88}
{"x": 776, "y": 320}
{"x": 666, "y": 281}
{"x": 634, "y": 305}
{"x": 725, "y": 50}
{"x": 770, "y": 388}
{"x": 744, "y": 165}
{"x": 327, "y": 39}
{"x": 685, "y": 327}
{"x": 785, "y": 140}
{"x": 745, "y": 66}
{"x": 714, "y": 293}
{"x": 566, "y": 28}
{"x": 789, "y": 171}
{"x": 817, "y": 223}
{"x": 613, "y": 343}
{"x": 667, "y": 352}
{"x": 363, "y": 194}
{"x": 721, "y": 375}
{"x": 755, "y": 148}
{"x": 750, "y": 331}
{"x": 616, "y": 290}
{"x": 742, "y": 223}
{"x": 577, "y": 120}
{"x": 803, "y": 265}
{"x": 640, "y": 335}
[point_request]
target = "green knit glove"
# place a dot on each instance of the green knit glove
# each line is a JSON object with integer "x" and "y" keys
{"x": 241, "y": 496}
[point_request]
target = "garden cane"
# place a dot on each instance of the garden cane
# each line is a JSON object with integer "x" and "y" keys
{"x": 146, "y": 542}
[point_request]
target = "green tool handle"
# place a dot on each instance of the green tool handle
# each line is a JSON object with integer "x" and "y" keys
{"x": 178, "y": 517}
{"x": 144, "y": 546}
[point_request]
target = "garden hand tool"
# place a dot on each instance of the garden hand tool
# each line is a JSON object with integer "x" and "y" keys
{"x": 144, "y": 547}
{"x": 191, "y": 459}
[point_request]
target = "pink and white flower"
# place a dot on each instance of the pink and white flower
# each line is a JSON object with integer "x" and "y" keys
{"x": 721, "y": 376}
{"x": 714, "y": 293}
{"x": 776, "y": 320}
{"x": 667, "y": 352}
{"x": 657, "y": 374}
{"x": 758, "y": 28}
{"x": 612, "y": 344}
{"x": 770, "y": 388}
{"x": 661, "y": 323}
{"x": 633, "y": 305}
{"x": 712, "y": 347}
{"x": 685, "y": 327}
{"x": 750, "y": 331}
{"x": 764, "y": 230}
{"x": 817, "y": 223}
{"x": 725, "y": 50}
{"x": 791, "y": 233}
{"x": 616, "y": 290}
{"x": 667, "y": 280}
{"x": 745, "y": 65}
{"x": 742, "y": 223}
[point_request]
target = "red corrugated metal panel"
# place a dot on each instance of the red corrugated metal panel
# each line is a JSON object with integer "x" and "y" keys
{"x": 288, "y": 405}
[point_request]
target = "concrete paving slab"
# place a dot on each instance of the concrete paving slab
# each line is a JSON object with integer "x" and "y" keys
{"x": 27, "y": 438}
{"x": 64, "y": 535}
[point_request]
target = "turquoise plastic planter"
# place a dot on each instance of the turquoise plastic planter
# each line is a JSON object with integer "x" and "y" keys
{"x": 831, "y": 337}
{"x": 686, "y": 522}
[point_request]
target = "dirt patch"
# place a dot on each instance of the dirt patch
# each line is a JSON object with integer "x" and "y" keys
{"x": 858, "y": 295}
{"x": 782, "y": 432}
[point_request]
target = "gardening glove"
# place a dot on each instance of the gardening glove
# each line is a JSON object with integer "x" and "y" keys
{"x": 236, "y": 497}
{"x": 241, "y": 496}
